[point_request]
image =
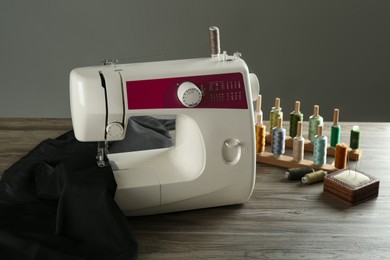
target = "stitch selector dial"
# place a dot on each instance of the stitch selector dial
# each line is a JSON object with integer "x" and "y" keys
{"x": 114, "y": 130}
{"x": 189, "y": 94}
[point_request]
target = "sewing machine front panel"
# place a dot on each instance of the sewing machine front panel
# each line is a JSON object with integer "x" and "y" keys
{"x": 218, "y": 91}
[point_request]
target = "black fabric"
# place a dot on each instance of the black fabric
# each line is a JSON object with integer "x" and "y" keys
{"x": 55, "y": 203}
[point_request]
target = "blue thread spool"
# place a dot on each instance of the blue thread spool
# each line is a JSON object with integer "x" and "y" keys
{"x": 320, "y": 146}
{"x": 278, "y": 139}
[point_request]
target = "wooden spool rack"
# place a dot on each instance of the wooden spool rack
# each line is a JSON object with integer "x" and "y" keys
{"x": 286, "y": 161}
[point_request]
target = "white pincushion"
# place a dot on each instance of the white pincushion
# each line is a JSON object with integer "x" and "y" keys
{"x": 352, "y": 178}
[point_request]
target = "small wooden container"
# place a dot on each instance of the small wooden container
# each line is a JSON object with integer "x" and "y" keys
{"x": 351, "y": 187}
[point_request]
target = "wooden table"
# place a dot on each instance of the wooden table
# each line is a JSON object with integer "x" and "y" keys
{"x": 282, "y": 219}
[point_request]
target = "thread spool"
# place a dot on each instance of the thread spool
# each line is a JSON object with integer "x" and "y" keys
{"x": 320, "y": 146}
{"x": 258, "y": 110}
{"x": 275, "y": 113}
{"x": 314, "y": 177}
{"x": 214, "y": 41}
{"x": 278, "y": 139}
{"x": 314, "y": 121}
{"x": 341, "y": 155}
{"x": 355, "y": 137}
{"x": 294, "y": 174}
{"x": 298, "y": 144}
{"x": 295, "y": 117}
{"x": 260, "y": 134}
{"x": 335, "y": 129}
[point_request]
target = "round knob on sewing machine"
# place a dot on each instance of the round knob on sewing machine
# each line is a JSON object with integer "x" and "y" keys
{"x": 189, "y": 94}
{"x": 114, "y": 130}
{"x": 231, "y": 151}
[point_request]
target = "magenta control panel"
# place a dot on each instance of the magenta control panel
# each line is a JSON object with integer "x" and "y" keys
{"x": 222, "y": 91}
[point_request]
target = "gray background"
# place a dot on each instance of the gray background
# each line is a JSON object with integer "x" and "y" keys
{"x": 332, "y": 53}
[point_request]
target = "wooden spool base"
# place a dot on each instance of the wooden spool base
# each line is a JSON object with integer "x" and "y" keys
{"x": 288, "y": 162}
{"x": 353, "y": 155}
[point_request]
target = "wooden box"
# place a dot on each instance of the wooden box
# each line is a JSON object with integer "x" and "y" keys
{"x": 351, "y": 187}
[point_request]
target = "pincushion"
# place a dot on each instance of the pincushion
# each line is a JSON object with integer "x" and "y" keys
{"x": 352, "y": 187}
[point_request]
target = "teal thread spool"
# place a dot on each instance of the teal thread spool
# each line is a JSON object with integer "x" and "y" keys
{"x": 335, "y": 129}
{"x": 320, "y": 146}
{"x": 315, "y": 120}
{"x": 276, "y": 112}
{"x": 355, "y": 137}
{"x": 295, "y": 117}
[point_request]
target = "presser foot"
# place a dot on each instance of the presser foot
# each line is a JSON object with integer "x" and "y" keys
{"x": 101, "y": 157}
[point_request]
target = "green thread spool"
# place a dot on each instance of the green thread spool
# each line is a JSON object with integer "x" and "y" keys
{"x": 335, "y": 129}
{"x": 355, "y": 137}
{"x": 276, "y": 112}
{"x": 295, "y": 117}
{"x": 314, "y": 121}
{"x": 314, "y": 177}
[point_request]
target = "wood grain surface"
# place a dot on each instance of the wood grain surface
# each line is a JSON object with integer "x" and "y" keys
{"x": 282, "y": 219}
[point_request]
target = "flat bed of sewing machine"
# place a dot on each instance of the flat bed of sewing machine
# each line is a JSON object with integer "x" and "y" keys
{"x": 282, "y": 220}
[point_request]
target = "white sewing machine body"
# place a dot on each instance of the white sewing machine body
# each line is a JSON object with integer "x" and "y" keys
{"x": 212, "y": 162}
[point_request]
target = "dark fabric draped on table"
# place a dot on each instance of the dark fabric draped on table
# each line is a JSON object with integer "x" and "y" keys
{"x": 56, "y": 203}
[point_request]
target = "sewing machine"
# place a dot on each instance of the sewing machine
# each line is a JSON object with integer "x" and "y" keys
{"x": 212, "y": 162}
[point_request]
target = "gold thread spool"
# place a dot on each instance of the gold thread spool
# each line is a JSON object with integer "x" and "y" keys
{"x": 314, "y": 177}
{"x": 341, "y": 155}
{"x": 260, "y": 134}
{"x": 260, "y": 138}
